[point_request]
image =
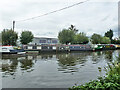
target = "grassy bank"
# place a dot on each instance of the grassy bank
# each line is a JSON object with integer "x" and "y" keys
{"x": 109, "y": 82}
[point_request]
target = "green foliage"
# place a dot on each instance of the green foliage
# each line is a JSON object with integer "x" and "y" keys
{"x": 26, "y": 37}
{"x": 109, "y": 34}
{"x": 66, "y": 36}
{"x": 114, "y": 68}
{"x": 115, "y": 41}
{"x": 96, "y": 38}
{"x": 100, "y": 84}
{"x": 72, "y": 28}
{"x": 81, "y": 38}
{"x": 9, "y": 37}
{"x": 110, "y": 82}
{"x": 105, "y": 40}
{"x": 70, "y": 35}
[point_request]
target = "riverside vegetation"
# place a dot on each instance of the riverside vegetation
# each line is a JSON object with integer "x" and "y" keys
{"x": 109, "y": 82}
{"x": 69, "y": 35}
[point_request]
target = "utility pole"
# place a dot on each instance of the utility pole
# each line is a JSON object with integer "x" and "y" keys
{"x": 118, "y": 20}
{"x": 13, "y": 25}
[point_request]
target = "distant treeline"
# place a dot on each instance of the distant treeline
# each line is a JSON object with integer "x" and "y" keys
{"x": 71, "y": 35}
{"x": 10, "y": 37}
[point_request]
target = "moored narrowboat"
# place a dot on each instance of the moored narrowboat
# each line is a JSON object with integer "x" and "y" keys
{"x": 97, "y": 47}
{"x": 80, "y": 48}
{"x": 117, "y": 46}
{"x": 107, "y": 46}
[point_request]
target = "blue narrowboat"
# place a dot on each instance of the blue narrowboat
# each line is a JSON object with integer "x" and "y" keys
{"x": 80, "y": 48}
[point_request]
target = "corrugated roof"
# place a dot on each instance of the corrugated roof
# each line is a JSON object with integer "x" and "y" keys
{"x": 45, "y": 37}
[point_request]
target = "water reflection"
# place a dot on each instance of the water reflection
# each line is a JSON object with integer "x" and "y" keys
{"x": 9, "y": 66}
{"x": 71, "y": 62}
{"x": 97, "y": 57}
{"x": 46, "y": 56}
{"x": 66, "y": 62}
{"x": 108, "y": 55}
{"x": 26, "y": 63}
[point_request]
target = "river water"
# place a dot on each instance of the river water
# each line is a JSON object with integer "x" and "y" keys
{"x": 61, "y": 70}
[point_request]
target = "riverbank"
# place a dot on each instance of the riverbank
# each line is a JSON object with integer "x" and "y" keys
{"x": 110, "y": 82}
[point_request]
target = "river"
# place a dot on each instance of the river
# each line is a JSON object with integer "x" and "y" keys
{"x": 61, "y": 70}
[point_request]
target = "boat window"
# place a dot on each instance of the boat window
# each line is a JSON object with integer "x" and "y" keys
{"x": 4, "y": 48}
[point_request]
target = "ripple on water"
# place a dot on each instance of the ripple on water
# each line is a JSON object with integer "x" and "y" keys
{"x": 57, "y": 70}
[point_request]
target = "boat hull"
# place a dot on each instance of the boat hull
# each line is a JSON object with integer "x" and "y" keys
{"x": 80, "y": 48}
{"x": 11, "y": 50}
{"x": 8, "y": 52}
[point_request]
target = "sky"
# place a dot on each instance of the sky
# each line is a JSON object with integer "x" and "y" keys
{"x": 93, "y": 16}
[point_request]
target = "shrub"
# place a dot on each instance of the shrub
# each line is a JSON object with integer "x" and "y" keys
{"x": 110, "y": 82}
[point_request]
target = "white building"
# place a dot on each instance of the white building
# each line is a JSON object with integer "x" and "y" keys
{"x": 44, "y": 41}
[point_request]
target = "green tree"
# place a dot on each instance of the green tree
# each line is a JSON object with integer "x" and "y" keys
{"x": 66, "y": 36}
{"x": 115, "y": 41}
{"x": 81, "y": 38}
{"x": 105, "y": 40}
{"x": 26, "y": 37}
{"x": 96, "y": 38}
{"x": 118, "y": 41}
{"x": 73, "y": 28}
{"x": 9, "y": 37}
{"x": 109, "y": 34}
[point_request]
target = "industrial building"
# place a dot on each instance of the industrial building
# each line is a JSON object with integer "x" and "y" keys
{"x": 44, "y": 41}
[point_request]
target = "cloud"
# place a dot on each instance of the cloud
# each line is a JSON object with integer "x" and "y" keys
{"x": 90, "y": 17}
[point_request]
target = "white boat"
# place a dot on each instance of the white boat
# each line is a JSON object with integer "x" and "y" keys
{"x": 11, "y": 50}
{"x": 19, "y": 53}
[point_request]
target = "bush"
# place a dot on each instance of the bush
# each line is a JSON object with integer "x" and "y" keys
{"x": 110, "y": 82}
